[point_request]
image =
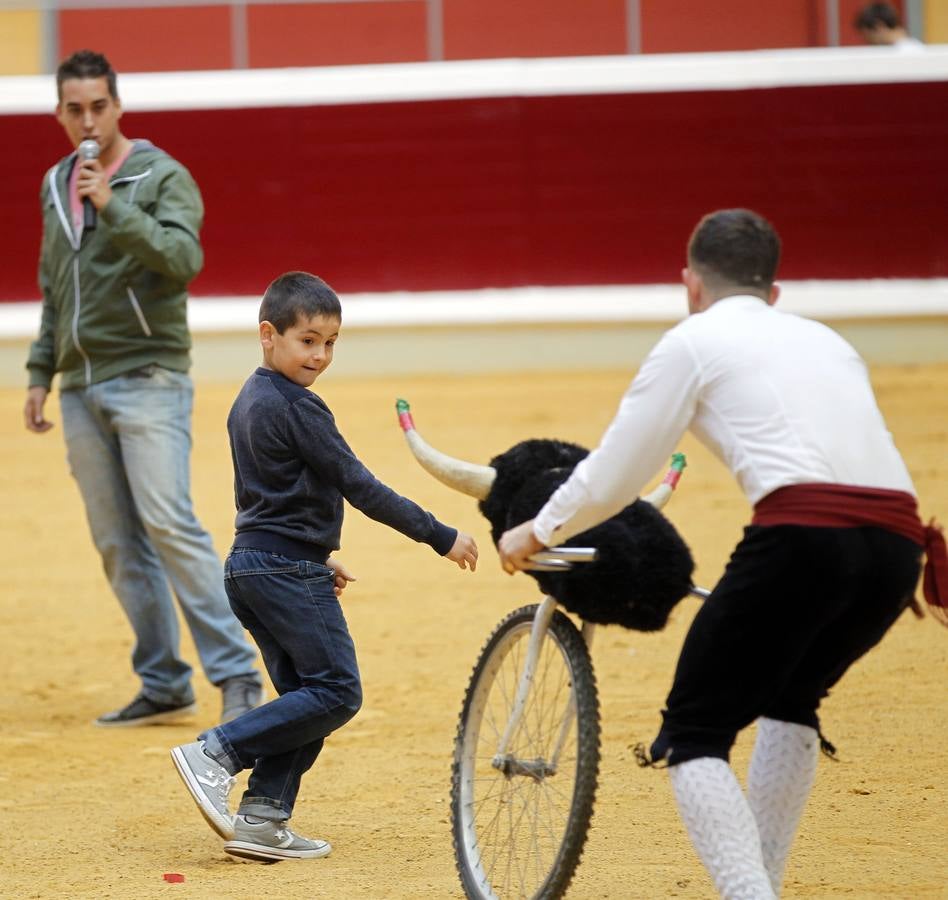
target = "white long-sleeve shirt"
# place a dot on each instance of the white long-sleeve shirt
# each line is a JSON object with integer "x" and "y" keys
{"x": 779, "y": 399}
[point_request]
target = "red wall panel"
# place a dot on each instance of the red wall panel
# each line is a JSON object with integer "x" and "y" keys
{"x": 319, "y": 34}
{"x": 151, "y": 39}
{"x": 677, "y": 26}
{"x": 547, "y": 190}
{"x": 480, "y": 29}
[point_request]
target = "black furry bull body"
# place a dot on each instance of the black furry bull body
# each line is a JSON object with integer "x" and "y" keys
{"x": 644, "y": 567}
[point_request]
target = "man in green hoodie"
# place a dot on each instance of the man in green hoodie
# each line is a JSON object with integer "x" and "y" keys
{"x": 121, "y": 223}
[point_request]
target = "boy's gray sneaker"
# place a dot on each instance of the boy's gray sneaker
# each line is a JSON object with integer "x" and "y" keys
{"x": 143, "y": 711}
{"x": 210, "y": 785}
{"x": 268, "y": 841}
{"x": 240, "y": 694}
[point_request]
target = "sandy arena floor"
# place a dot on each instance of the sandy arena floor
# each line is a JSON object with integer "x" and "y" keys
{"x": 90, "y": 813}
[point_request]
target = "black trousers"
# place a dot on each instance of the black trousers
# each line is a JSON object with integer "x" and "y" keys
{"x": 795, "y": 608}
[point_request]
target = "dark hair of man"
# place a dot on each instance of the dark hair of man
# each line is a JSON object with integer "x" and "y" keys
{"x": 735, "y": 248}
{"x": 876, "y": 14}
{"x": 86, "y": 64}
{"x": 296, "y": 295}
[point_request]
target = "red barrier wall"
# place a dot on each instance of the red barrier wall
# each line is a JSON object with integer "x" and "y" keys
{"x": 674, "y": 26}
{"x": 479, "y": 29}
{"x": 544, "y": 190}
{"x": 332, "y": 34}
{"x": 172, "y": 36}
{"x": 151, "y": 39}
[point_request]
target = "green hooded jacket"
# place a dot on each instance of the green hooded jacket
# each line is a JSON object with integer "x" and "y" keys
{"x": 115, "y": 298}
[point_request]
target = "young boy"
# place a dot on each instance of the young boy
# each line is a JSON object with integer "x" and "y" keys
{"x": 292, "y": 471}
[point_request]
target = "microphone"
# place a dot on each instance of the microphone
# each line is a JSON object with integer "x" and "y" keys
{"x": 88, "y": 150}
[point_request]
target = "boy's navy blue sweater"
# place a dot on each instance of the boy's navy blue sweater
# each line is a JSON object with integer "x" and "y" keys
{"x": 292, "y": 470}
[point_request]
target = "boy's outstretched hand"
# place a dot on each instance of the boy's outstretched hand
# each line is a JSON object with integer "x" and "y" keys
{"x": 343, "y": 576}
{"x": 464, "y": 551}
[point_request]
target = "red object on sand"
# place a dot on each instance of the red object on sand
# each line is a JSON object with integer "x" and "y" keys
{"x": 173, "y": 877}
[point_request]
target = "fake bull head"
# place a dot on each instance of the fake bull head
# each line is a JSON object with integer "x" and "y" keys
{"x": 643, "y": 568}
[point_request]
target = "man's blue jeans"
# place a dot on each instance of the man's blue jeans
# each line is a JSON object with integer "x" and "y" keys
{"x": 128, "y": 442}
{"x": 294, "y": 616}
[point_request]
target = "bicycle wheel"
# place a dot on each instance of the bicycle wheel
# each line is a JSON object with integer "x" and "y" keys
{"x": 519, "y": 821}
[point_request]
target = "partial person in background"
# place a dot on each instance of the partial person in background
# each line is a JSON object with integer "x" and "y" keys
{"x": 879, "y": 24}
{"x": 120, "y": 244}
{"x": 829, "y": 562}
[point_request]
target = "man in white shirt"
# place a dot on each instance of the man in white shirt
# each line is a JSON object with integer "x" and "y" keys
{"x": 830, "y": 561}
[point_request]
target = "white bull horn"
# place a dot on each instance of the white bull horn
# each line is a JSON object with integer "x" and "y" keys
{"x": 468, "y": 478}
{"x": 662, "y": 494}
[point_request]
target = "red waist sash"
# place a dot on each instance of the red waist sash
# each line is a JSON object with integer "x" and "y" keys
{"x": 844, "y": 506}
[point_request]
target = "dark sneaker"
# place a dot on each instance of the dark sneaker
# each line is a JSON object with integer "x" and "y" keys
{"x": 240, "y": 695}
{"x": 271, "y": 841}
{"x": 210, "y": 785}
{"x": 142, "y": 711}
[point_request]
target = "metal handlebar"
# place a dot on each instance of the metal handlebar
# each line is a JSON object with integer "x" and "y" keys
{"x": 561, "y": 559}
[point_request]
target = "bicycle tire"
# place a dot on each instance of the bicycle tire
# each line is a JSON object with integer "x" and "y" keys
{"x": 523, "y": 863}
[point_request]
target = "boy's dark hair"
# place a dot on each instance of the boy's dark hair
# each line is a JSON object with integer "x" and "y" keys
{"x": 735, "y": 247}
{"x": 876, "y": 14}
{"x": 298, "y": 294}
{"x": 86, "y": 64}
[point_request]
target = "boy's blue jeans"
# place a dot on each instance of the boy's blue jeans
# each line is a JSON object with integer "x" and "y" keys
{"x": 291, "y": 610}
{"x": 128, "y": 442}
